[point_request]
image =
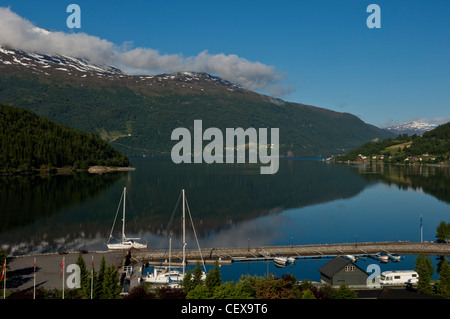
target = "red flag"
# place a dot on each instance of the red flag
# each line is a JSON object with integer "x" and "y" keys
{"x": 3, "y": 271}
{"x": 62, "y": 268}
{"x": 34, "y": 266}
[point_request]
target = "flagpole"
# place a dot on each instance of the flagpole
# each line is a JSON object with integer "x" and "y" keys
{"x": 92, "y": 275}
{"x": 421, "y": 230}
{"x": 34, "y": 279}
{"x": 4, "y": 282}
{"x": 62, "y": 270}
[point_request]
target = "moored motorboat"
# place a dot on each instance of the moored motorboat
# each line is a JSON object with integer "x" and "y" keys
{"x": 280, "y": 261}
{"x": 383, "y": 257}
{"x": 394, "y": 257}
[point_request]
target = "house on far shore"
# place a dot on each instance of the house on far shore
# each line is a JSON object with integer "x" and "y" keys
{"x": 340, "y": 271}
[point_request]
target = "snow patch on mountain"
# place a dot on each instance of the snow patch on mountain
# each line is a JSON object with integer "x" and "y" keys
{"x": 412, "y": 127}
{"x": 37, "y": 61}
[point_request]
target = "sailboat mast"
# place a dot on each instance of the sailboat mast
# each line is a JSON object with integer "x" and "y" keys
{"x": 123, "y": 218}
{"x": 170, "y": 251}
{"x": 184, "y": 234}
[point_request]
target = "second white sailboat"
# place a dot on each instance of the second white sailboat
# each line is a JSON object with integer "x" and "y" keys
{"x": 166, "y": 275}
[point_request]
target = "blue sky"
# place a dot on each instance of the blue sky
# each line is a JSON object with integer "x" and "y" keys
{"x": 321, "y": 51}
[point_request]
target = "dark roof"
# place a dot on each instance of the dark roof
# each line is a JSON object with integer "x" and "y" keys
{"x": 336, "y": 264}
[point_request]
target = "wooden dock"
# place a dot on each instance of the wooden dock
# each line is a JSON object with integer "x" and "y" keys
{"x": 236, "y": 254}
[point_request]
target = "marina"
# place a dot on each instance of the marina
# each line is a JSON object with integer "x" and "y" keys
{"x": 49, "y": 265}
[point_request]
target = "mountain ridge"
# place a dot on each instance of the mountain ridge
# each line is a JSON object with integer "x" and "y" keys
{"x": 412, "y": 127}
{"x": 137, "y": 113}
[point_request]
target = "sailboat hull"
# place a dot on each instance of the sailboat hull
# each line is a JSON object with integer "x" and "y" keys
{"x": 126, "y": 245}
{"x": 164, "y": 276}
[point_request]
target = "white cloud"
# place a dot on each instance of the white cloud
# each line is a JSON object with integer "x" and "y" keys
{"x": 19, "y": 33}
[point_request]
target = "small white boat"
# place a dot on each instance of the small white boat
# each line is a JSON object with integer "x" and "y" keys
{"x": 291, "y": 260}
{"x": 383, "y": 257}
{"x": 394, "y": 257}
{"x": 351, "y": 258}
{"x": 126, "y": 243}
{"x": 280, "y": 261}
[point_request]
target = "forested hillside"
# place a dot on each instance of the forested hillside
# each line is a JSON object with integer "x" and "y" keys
{"x": 29, "y": 142}
{"x": 432, "y": 147}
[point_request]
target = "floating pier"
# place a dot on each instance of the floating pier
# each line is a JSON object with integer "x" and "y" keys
{"x": 266, "y": 253}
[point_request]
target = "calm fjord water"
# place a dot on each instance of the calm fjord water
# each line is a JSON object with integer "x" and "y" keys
{"x": 307, "y": 202}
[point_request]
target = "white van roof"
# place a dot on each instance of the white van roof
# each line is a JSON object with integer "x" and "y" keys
{"x": 399, "y": 272}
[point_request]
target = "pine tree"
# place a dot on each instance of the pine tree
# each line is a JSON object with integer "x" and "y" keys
{"x": 187, "y": 282}
{"x": 197, "y": 278}
{"x": 84, "y": 276}
{"x": 424, "y": 269}
{"x": 111, "y": 288}
{"x": 444, "y": 279}
{"x": 98, "y": 287}
{"x": 213, "y": 278}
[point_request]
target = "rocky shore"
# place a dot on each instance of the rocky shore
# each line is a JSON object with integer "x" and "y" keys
{"x": 107, "y": 169}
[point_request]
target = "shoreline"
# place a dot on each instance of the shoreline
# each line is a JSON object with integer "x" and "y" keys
{"x": 68, "y": 170}
{"x": 108, "y": 169}
{"x": 363, "y": 163}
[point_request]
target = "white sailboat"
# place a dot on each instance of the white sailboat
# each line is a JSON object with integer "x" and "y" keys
{"x": 166, "y": 275}
{"x": 126, "y": 243}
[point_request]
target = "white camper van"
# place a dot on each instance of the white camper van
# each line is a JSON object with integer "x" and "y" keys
{"x": 399, "y": 277}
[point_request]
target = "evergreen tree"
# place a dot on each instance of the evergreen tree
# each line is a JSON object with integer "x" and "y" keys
{"x": 443, "y": 231}
{"x": 187, "y": 282}
{"x": 199, "y": 292}
{"x": 85, "y": 277}
{"x": 197, "y": 277}
{"x": 425, "y": 270}
{"x": 213, "y": 278}
{"x": 98, "y": 285}
{"x": 443, "y": 287}
{"x": 111, "y": 288}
